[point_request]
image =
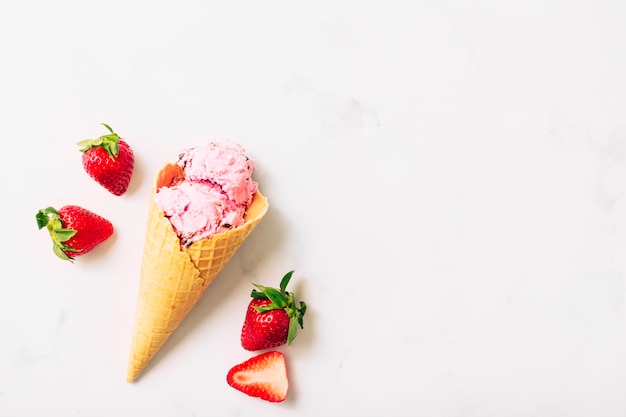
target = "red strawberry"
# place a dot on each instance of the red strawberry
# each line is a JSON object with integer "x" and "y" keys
{"x": 263, "y": 376}
{"x": 272, "y": 318}
{"x": 108, "y": 160}
{"x": 74, "y": 230}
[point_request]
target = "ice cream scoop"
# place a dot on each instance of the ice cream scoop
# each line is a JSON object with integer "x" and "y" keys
{"x": 214, "y": 194}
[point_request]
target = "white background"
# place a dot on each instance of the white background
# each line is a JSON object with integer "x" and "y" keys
{"x": 447, "y": 179}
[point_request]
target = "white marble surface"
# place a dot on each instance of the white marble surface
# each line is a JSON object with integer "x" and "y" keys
{"x": 447, "y": 178}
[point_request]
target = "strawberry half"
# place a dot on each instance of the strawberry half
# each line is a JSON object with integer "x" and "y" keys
{"x": 74, "y": 230}
{"x": 272, "y": 318}
{"x": 108, "y": 160}
{"x": 263, "y": 376}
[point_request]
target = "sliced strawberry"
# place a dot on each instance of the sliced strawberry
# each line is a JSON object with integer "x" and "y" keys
{"x": 74, "y": 230}
{"x": 263, "y": 376}
{"x": 109, "y": 161}
{"x": 272, "y": 318}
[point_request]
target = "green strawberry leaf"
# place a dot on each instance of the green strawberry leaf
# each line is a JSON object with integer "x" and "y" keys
{"x": 108, "y": 127}
{"x": 42, "y": 220}
{"x": 114, "y": 149}
{"x": 300, "y": 314}
{"x": 293, "y": 330}
{"x": 285, "y": 281}
{"x": 68, "y": 249}
{"x": 88, "y": 144}
{"x": 258, "y": 294}
{"x": 296, "y": 318}
{"x": 265, "y": 309}
{"x": 277, "y": 297}
{"x": 63, "y": 235}
{"x": 58, "y": 252}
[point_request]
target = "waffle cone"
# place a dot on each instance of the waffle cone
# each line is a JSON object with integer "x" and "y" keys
{"x": 172, "y": 279}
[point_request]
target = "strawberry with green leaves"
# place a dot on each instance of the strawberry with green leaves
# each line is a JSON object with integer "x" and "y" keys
{"x": 272, "y": 318}
{"x": 74, "y": 230}
{"x": 109, "y": 160}
{"x": 263, "y": 376}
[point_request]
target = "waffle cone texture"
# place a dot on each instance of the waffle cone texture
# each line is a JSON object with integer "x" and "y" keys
{"x": 172, "y": 279}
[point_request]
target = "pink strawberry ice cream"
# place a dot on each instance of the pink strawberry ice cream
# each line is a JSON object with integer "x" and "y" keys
{"x": 215, "y": 194}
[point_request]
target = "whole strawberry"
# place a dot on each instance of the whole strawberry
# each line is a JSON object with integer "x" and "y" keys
{"x": 74, "y": 230}
{"x": 272, "y": 318}
{"x": 108, "y": 160}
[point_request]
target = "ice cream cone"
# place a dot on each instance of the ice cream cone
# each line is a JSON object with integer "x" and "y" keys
{"x": 172, "y": 279}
